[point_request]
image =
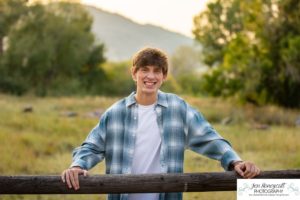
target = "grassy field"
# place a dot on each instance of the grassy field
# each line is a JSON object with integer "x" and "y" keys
{"x": 41, "y": 142}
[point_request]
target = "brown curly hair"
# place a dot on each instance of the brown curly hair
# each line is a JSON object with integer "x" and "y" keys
{"x": 150, "y": 57}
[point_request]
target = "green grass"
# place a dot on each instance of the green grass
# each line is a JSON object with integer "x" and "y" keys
{"x": 41, "y": 142}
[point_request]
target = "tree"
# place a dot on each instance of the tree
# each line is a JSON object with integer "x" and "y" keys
{"x": 10, "y": 12}
{"x": 253, "y": 49}
{"x": 186, "y": 69}
{"x": 52, "y": 47}
{"x": 118, "y": 79}
{"x": 284, "y": 87}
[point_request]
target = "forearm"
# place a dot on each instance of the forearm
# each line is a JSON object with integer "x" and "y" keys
{"x": 87, "y": 156}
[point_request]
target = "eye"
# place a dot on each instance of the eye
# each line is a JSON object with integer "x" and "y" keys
{"x": 158, "y": 71}
{"x": 144, "y": 69}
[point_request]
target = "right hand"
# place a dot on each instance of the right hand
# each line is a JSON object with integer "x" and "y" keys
{"x": 71, "y": 176}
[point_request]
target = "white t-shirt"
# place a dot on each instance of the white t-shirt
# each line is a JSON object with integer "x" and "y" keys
{"x": 146, "y": 157}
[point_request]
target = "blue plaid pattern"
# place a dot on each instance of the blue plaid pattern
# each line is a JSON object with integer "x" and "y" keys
{"x": 181, "y": 127}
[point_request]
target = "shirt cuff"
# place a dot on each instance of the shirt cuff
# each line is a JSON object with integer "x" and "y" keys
{"x": 229, "y": 157}
{"x": 79, "y": 163}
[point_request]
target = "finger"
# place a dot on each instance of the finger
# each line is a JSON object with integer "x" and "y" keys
{"x": 72, "y": 178}
{"x": 253, "y": 174}
{"x": 252, "y": 171}
{"x": 63, "y": 174}
{"x": 68, "y": 179}
{"x": 247, "y": 170}
{"x": 76, "y": 180}
{"x": 243, "y": 166}
{"x": 239, "y": 170}
{"x": 257, "y": 172}
{"x": 85, "y": 173}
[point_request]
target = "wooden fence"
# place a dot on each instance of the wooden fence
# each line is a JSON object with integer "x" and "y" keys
{"x": 102, "y": 184}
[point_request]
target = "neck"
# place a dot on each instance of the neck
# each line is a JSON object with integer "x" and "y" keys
{"x": 144, "y": 99}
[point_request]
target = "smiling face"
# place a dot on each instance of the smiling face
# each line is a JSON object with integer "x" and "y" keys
{"x": 148, "y": 79}
{"x": 150, "y": 69}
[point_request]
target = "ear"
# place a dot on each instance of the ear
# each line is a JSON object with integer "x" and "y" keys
{"x": 133, "y": 73}
{"x": 165, "y": 77}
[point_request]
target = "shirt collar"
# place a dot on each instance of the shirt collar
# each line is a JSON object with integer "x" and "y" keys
{"x": 161, "y": 100}
{"x": 130, "y": 99}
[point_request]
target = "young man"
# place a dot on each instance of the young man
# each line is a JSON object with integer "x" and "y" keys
{"x": 148, "y": 131}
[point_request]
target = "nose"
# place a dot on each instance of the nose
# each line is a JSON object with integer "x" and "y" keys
{"x": 150, "y": 75}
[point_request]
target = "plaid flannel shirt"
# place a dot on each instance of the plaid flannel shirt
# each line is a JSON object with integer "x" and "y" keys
{"x": 181, "y": 127}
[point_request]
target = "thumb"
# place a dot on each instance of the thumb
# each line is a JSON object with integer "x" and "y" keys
{"x": 238, "y": 169}
{"x": 85, "y": 173}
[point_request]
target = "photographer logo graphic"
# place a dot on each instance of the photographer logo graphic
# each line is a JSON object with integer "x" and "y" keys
{"x": 265, "y": 189}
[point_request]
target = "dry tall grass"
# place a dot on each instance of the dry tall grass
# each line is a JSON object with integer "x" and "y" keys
{"x": 40, "y": 142}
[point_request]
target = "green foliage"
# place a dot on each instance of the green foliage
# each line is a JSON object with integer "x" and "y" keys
{"x": 119, "y": 81}
{"x": 185, "y": 70}
{"x": 52, "y": 49}
{"x": 190, "y": 83}
{"x": 9, "y": 85}
{"x": 185, "y": 60}
{"x": 10, "y": 12}
{"x": 94, "y": 75}
{"x": 253, "y": 48}
{"x": 171, "y": 85}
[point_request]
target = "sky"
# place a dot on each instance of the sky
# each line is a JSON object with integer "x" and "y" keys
{"x": 174, "y": 15}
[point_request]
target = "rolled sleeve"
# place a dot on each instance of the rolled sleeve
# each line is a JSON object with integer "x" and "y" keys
{"x": 228, "y": 158}
{"x": 202, "y": 138}
{"x": 87, "y": 156}
{"x": 79, "y": 163}
{"x": 92, "y": 150}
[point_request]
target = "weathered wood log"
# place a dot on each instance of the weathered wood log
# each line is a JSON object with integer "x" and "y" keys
{"x": 102, "y": 184}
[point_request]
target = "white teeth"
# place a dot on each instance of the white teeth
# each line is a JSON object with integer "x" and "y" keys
{"x": 149, "y": 83}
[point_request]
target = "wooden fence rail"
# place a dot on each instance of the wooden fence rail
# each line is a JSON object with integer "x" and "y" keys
{"x": 102, "y": 184}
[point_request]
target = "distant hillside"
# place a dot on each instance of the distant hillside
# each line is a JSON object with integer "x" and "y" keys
{"x": 123, "y": 37}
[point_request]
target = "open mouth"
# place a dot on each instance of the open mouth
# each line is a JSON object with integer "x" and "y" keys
{"x": 149, "y": 83}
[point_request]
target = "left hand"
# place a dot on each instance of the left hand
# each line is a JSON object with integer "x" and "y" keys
{"x": 246, "y": 169}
